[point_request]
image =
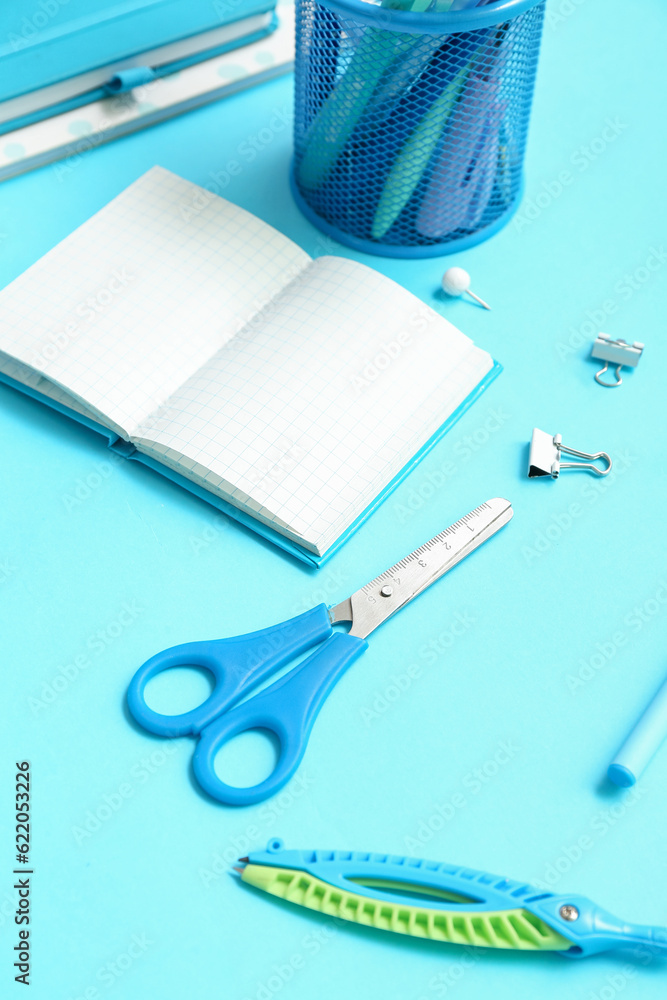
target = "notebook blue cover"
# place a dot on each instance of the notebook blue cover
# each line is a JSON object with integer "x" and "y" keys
{"x": 57, "y": 56}
{"x": 122, "y": 447}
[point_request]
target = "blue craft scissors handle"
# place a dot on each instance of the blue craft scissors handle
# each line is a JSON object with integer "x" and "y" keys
{"x": 237, "y": 664}
{"x": 287, "y": 708}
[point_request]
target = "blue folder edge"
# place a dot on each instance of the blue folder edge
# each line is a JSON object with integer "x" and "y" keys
{"x": 127, "y": 450}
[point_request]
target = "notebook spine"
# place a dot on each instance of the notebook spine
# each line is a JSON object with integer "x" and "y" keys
{"x": 122, "y": 447}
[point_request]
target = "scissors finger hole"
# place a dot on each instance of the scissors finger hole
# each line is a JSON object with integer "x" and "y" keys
{"x": 179, "y": 689}
{"x": 247, "y": 759}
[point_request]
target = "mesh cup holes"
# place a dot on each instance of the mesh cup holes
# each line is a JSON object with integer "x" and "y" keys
{"x": 411, "y": 140}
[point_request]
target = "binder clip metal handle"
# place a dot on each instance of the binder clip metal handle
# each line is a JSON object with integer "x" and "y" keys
{"x": 545, "y": 454}
{"x": 615, "y": 352}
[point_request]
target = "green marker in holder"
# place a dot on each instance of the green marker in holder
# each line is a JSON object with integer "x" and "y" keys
{"x": 385, "y": 93}
{"x": 341, "y": 111}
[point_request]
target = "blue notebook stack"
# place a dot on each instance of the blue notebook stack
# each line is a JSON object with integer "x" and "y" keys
{"x": 60, "y": 54}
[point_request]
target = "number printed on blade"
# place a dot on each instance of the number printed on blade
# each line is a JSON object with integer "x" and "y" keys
{"x": 390, "y": 591}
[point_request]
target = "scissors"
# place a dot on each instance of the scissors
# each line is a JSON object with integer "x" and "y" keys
{"x": 289, "y": 706}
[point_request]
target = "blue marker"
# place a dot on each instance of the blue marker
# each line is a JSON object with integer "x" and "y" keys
{"x": 642, "y": 743}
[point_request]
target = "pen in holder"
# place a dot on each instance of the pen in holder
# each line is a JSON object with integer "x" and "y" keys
{"x": 411, "y": 119}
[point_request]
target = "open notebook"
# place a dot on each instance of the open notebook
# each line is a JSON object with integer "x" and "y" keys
{"x": 291, "y": 392}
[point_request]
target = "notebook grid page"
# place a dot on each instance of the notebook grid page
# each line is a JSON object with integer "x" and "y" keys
{"x": 220, "y": 487}
{"x": 136, "y": 299}
{"x": 312, "y": 411}
{"x": 29, "y": 377}
{"x": 420, "y": 427}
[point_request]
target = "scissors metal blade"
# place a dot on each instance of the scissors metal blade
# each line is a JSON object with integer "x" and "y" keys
{"x": 388, "y": 593}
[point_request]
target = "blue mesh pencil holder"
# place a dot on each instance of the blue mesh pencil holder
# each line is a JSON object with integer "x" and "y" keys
{"x": 411, "y": 119}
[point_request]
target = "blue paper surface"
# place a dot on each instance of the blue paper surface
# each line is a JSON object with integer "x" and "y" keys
{"x": 486, "y": 748}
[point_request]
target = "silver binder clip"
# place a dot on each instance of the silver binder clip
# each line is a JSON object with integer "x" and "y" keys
{"x": 615, "y": 352}
{"x": 545, "y": 452}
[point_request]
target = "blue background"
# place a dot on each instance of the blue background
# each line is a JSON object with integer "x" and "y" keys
{"x": 569, "y": 603}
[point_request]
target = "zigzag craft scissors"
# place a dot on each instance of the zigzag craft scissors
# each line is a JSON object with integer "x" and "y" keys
{"x": 443, "y": 902}
{"x": 288, "y": 707}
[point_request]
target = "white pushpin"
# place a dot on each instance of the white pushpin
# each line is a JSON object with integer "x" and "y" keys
{"x": 456, "y": 281}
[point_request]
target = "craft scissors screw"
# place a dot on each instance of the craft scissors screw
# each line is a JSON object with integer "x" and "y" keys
{"x": 289, "y": 706}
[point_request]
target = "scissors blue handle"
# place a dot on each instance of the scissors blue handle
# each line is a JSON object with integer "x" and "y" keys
{"x": 287, "y": 708}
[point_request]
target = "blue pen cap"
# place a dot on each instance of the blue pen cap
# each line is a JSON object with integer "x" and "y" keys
{"x": 643, "y": 742}
{"x": 411, "y": 119}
